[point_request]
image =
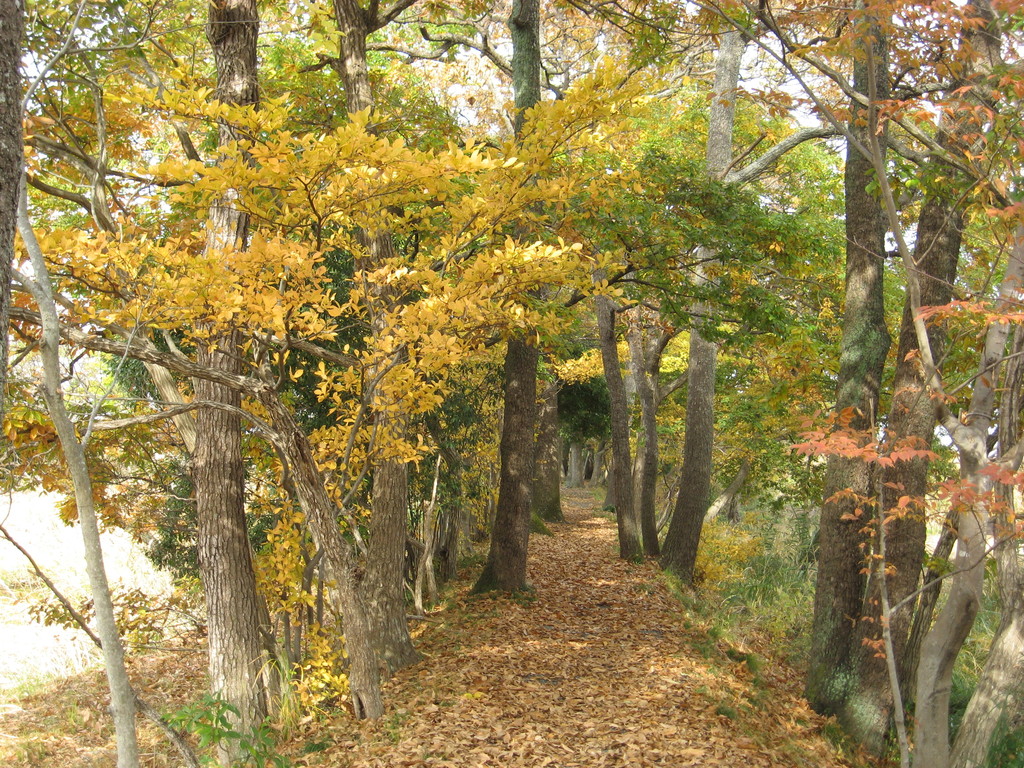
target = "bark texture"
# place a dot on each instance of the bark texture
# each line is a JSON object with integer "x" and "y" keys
{"x": 505, "y": 569}
{"x": 574, "y": 466}
{"x": 11, "y": 161}
{"x": 236, "y": 617}
{"x": 385, "y": 566}
{"x": 322, "y": 518}
{"x": 122, "y": 697}
{"x": 506, "y": 561}
{"x": 679, "y": 553}
{"x": 645, "y": 348}
{"x": 547, "y": 494}
{"x": 385, "y": 563}
{"x": 954, "y": 622}
{"x": 840, "y": 588}
{"x": 620, "y": 480}
{"x": 867, "y": 712}
{"x": 235, "y": 612}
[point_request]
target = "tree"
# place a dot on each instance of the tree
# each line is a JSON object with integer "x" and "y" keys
{"x": 621, "y": 475}
{"x": 122, "y": 697}
{"x": 865, "y": 343}
{"x": 236, "y": 615}
{"x": 505, "y": 569}
{"x": 646, "y": 345}
{"x": 547, "y": 501}
{"x": 679, "y": 553}
{"x": 388, "y": 524}
{"x": 11, "y": 161}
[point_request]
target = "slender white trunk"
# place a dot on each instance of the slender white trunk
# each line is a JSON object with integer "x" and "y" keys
{"x": 122, "y": 698}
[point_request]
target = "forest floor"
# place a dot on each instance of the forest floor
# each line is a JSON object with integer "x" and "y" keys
{"x": 599, "y": 665}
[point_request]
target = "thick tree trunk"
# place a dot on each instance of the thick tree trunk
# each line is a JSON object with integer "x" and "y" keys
{"x": 238, "y": 662}
{"x": 385, "y": 566}
{"x": 547, "y": 495}
{"x": 840, "y": 589}
{"x": 679, "y": 554}
{"x": 645, "y": 360}
{"x": 11, "y": 162}
{"x": 867, "y": 712}
{"x": 506, "y": 561}
{"x": 235, "y": 613}
{"x": 122, "y": 697}
{"x": 384, "y": 580}
{"x": 620, "y": 483}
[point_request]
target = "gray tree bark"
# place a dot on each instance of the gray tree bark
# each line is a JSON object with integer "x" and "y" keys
{"x": 236, "y": 616}
{"x": 122, "y": 697}
{"x": 574, "y": 471}
{"x": 11, "y": 161}
{"x": 645, "y": 348}
{"x": 547, "y": 495}
{"x": 840, "y": 589}
{"x": 620, "y": 480}
{"x": 679, "y": 553}
{"x": 1000, "y": 686}
{"x": 385, "y": 562}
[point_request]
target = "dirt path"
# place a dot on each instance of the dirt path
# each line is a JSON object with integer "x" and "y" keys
{"x": 598, "y": 668}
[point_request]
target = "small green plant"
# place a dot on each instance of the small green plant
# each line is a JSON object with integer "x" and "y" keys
{"x": 210, "y": 720}
{"x": 728, "y": 711}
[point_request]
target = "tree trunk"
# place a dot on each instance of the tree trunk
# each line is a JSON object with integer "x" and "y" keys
{"x": 645, "y": 360}
{"x": 867, "y": 712}
{"x": 122, "y": 697}
{"x": 620, "y": 484}
{"x": 574, "y": 473}
{"x": 598, "y": 466}
{"x": 1001, "y": 683}
{"x": 547, "y": 496}
{"x": 840, "y": 589}
{"x": 728, "y": 500}
{"x": 451, "y": 520}
{"x": 506, "y": 561}
{"x": 385, "y": 563}
{"x": 322, "y": 518}
{"x": 385, "y": 566}
{"x": 1002, "y": 680}
{"x": 238, "y": 662}
{"x": 235, "y": 613}
{"x": 11, "y": 161}
{"x": 679, "y": 554}
{"x": 954, "y": 622}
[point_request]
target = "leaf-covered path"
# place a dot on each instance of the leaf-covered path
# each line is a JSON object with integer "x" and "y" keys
{"x": 598, "y": 668}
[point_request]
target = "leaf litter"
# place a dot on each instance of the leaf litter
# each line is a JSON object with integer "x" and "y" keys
{"x": 597, "y": 666}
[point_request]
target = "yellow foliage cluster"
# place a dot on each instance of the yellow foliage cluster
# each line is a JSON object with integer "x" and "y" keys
{"x": 423, "y": 311}
{"x": 725, "y": 549}
{"x": 321, "y": 677}
{"x": 586, "y": 366}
